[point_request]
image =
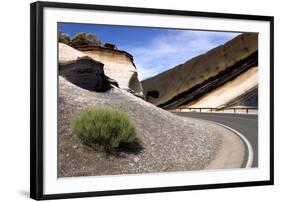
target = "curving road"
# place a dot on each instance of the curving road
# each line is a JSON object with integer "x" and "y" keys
{"x": 247, "y": 125}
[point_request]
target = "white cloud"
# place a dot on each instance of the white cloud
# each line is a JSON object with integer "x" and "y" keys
{"x": 173, "y": 48}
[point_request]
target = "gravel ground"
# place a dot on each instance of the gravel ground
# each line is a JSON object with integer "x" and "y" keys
{"x": 169, "y": 142}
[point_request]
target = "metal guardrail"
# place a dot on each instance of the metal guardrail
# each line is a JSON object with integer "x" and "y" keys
{"x": 210, "y": 109}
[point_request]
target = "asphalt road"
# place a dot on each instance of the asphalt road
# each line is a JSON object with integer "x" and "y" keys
{"x": 247, "y": 125}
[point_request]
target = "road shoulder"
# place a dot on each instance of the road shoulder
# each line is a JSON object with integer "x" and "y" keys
{"x": 232, "y": 151}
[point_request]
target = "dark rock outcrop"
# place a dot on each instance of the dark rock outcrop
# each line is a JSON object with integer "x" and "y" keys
{"x": 118, "y": 65}
{"x": 250, "y": 98}
{"x": 86, "y": 73}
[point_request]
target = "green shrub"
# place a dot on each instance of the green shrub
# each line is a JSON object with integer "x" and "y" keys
{"x": 104, "y": 128}
{"x": 83, "y": 38}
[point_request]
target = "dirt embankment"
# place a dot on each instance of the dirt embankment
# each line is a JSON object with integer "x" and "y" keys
{"x": 168, "y": 142}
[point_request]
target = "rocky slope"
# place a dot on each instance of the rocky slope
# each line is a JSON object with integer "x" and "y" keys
{"x": 167, "y": 142}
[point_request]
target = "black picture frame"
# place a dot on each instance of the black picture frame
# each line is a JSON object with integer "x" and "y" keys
{"x": 36, "y": 99}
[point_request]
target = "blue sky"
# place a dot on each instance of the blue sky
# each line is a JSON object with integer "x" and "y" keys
{"x": 154, "y": 49}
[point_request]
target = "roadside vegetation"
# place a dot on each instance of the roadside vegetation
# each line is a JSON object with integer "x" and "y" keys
{"x": 104, "y": 129}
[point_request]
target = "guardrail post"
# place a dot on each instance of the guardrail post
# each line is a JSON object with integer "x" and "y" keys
{"x": 217, "y": 109}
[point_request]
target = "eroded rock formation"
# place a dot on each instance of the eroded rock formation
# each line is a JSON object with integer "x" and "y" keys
{"x": 95, "y": 68}
{"x": 118, "y": 65}
{"x": 187, "y": 82}
{"x": 82, "y": 70}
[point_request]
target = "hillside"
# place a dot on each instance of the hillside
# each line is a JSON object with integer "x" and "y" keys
{"x": 167, "y": 142}
{"x": 187, "y": 82}
{"x": 241, "y": 91}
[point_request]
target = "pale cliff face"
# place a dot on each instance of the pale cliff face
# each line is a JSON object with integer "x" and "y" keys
{"x": 226, "y": 93}
{"x": 68, "y": 54}
{"x": 118, "y": 66}
{"x": 82, "y": 70}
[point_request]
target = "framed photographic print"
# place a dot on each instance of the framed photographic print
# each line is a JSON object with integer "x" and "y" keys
{"x": 136, "y": 100}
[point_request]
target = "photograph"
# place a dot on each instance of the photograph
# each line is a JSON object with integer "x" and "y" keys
{"x": 135, "y": 100}
{"x": 140, "y": 101}
{"x": 130, "y": 100}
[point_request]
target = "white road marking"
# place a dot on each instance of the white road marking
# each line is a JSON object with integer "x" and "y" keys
{"x": 246, "y": 141}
